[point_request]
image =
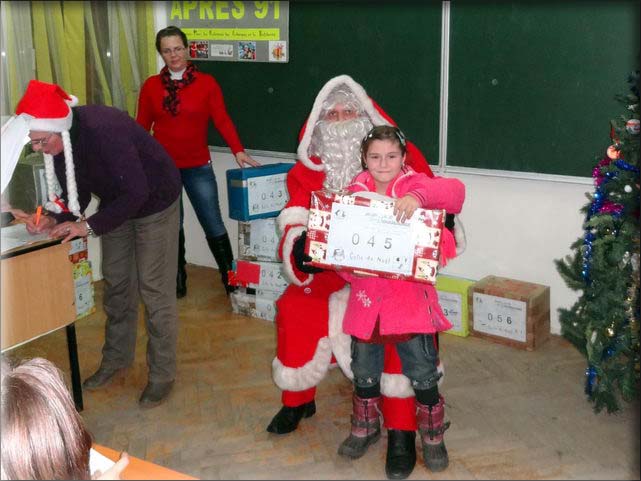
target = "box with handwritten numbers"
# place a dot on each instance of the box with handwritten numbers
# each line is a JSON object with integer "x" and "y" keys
{"x": 259, "y": 303}
{"x": 258, "y": 240}
{"x": 257, "y": 192}
{"x": 453, "y": 298}
{"x": 258, "y": 275}
{"x": 82, "y": 277}
{"x": 361, "y": 234}
{"x": 509, "y": 311}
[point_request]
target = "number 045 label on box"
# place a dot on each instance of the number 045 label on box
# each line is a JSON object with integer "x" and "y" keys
{"x": 499, "y": 316}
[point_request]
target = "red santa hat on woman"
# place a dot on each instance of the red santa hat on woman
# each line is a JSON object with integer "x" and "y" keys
{"x": 44, "y": 107}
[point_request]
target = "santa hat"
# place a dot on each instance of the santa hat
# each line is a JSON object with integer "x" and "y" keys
{"x": 45, "y": 107}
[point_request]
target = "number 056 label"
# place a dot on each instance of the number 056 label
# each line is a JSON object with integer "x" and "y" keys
{"x": 499, "y": 316}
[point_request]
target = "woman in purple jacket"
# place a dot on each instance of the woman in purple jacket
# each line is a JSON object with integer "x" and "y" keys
{"x": 407, "y": 312}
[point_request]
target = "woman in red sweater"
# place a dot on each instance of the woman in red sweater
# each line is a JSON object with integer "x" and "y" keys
{"x": 177, "y": 105}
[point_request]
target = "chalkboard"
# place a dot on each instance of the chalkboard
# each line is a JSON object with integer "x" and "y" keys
{"x": 532, "y": 84}
{"x": 393, "y": 49}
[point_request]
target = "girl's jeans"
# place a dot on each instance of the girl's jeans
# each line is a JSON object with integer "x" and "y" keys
{"x": 419, "y": 358}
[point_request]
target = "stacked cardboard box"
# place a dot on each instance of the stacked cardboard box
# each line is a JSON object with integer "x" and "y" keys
{"x": 256, "y": 196}
{"x": 510, "y": 311}
{"x": 82, "y": 277}
{"x": 453, "y": 297}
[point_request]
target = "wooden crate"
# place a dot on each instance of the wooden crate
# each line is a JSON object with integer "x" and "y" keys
{"x": 509, "y": 311}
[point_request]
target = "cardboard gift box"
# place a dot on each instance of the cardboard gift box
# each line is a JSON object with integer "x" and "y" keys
{"x": 257, "y": 192}
{"x": 510, "y": 311}
{"x": 258, "y": 275}
{"x": 82, "y": 277}
{"x": 453, "y": 298}
{"x": 359, "y": 233}
{"x": 258, "y": 240}
{"x": 259, "y": 303}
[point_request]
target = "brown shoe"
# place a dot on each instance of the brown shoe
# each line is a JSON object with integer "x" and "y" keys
{"x": 155, "y": 393}
{"x": 101, "y": 378}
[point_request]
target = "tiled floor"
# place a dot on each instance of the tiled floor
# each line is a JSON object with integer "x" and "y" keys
{"x": 514, "y": 414}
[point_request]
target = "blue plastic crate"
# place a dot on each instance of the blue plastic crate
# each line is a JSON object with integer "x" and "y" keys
{"x": 257, "y": 192}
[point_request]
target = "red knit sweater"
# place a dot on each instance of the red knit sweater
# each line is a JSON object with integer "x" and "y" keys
{"x": 185, "y": 135}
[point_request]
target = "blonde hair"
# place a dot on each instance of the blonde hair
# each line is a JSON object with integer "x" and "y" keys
{"x": 43, "y": 436}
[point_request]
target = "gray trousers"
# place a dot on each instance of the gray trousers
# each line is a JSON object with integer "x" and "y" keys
{"x": 140, "y": 257}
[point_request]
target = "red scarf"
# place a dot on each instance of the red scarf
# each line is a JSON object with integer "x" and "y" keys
{"x": 170, "y": 101}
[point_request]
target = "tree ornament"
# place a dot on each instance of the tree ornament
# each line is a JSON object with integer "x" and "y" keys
{"x": 613, "y": 152}
{"x": 626, "y": 258}
{"x": 605, "y": 327}
{"x": 633, "y": 126}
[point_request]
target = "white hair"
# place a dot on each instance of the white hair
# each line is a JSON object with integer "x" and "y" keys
{"x": 338, "y": 145}
{"x": 72, "y": 189}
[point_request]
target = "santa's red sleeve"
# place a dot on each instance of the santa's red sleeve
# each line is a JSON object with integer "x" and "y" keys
{"x": 292, "y": 220}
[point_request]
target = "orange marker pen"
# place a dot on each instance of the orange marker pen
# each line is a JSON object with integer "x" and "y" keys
{"x": 38, "y": 214}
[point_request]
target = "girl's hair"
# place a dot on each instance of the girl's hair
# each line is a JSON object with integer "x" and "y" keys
{"x": 382, "y": 132}
{"x": 43, "y": 436}
{"x": 170, "y": 31}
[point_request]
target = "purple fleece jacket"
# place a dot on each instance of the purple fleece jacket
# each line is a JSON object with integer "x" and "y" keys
{"x": 120, "y": 163}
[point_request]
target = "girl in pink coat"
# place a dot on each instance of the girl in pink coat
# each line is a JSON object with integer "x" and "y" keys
{"x": 406, "y": 312}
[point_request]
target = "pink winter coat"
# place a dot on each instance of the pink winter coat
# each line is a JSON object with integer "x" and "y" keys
{"x": 401, "y": 307}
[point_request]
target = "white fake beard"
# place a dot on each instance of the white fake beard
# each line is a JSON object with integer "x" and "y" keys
{"x": 338, "y": 144}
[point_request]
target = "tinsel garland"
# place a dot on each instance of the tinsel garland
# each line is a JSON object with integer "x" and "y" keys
{"x": 601, "y": 205}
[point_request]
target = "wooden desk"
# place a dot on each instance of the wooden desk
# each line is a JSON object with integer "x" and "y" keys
{"x": 38, "y": 298}
{"x": 141, "y": 469}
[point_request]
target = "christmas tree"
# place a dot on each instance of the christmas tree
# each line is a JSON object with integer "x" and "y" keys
{"x": 604, "y": 323}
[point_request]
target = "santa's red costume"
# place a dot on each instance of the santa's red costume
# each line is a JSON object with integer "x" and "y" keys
{"x": 310, "y": 312}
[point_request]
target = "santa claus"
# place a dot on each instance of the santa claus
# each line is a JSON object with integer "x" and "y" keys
{"x": 310, "y": 312}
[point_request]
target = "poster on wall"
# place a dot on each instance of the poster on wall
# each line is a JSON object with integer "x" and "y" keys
{"x": 233, "y": 31}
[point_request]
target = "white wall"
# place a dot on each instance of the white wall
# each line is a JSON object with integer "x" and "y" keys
{"x": 515, "y": 227}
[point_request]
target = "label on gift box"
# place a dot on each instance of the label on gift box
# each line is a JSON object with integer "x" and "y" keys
{"x": 362, "y": 235}
{"x": 83, "y": 287}
{"x": 265, "y": 308}
{"x": 258, "y": 240}
{"x": 271, "y": 276}
{"x": 254, "y": 305}
{"x": 262, "y": 275}
{"x": 451, "y": 303}
{"x": 266, "y": 194}
{"x": 499, "y": 316}
{"x": 263, "y": 238}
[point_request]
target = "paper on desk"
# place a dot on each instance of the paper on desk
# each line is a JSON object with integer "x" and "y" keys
{"x": 16, "y": 236}
{"x": 98, "y": 462}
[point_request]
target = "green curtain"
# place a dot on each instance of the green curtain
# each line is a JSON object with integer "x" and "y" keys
{"x": 59, "y": 43}
{"x": 101, "y": 52}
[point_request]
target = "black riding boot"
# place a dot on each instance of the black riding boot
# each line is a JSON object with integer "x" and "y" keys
{"x": 181, "y": 275}
{"x": 221, "y": 249}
